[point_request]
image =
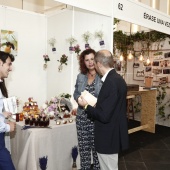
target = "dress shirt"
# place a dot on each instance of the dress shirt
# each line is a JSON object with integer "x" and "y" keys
{"x": 104, "y": 77}
{"x": 3, "y": 126}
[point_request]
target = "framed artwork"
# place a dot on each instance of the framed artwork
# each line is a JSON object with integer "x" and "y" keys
{"x": 138, "y": 70}
{"x": 9, "y": 42}
{"x": 159, "y": 68}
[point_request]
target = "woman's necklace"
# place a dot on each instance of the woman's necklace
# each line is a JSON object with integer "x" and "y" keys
{"x": 92, "y": 75}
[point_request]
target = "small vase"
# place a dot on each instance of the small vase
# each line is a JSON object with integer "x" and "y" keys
{"x": 71, "y": 50}
{"x": 60, "y": 67}
{"x": 53, "y": 49}
{"x": 78, "y": 57}
{"x": 102, "y": 45}
{"x": 74, "y": 166}
{"x": 87, "y": 46}
{"x": 45, "y": 66}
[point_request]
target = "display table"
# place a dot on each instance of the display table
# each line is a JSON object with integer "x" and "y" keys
{"x": 27, "y": 146}
{"x": 148, "y": 110}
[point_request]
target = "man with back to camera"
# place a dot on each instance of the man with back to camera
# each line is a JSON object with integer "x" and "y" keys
{"x": 5, "y": 67}
{"x": 111, "y": 130}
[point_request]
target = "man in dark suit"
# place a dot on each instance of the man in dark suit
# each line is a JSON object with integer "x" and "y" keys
{"x": 111, "y": 131}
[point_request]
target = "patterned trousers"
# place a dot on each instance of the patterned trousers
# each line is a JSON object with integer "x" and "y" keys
{"x": 85, "y": 133}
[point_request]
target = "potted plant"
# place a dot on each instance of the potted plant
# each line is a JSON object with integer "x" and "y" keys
{"x": 52, "y": 42}
{"x": 86, "y": 37}
{"x": 99, "y": 35}
{"x": 71, "y": 41}
{"x": 46, "y": 59}
{"x": 63, "y": 60}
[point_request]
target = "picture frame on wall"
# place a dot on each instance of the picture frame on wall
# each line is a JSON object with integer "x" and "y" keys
{"x": 9, "y": 42}
{"x": 161, "y": 69}
{"x": 138, "y": 70}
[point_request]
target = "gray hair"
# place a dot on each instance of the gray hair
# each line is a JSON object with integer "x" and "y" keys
{"x": 104, "y": 57}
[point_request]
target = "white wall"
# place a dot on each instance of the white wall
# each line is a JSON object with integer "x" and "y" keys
{"x": 61, "y": 26}
{"x": 28, "y": 78}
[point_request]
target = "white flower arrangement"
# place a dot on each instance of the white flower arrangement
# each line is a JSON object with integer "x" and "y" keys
{"x": 52, "y": 42}
{"x": 71, "y": 41}
{"x": 99, "y": 35}
{"x": 56, "y": 106}
{"x": 86, "y": 36}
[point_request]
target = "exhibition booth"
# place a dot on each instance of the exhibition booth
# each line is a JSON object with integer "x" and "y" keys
{"x": 42, "y": 41}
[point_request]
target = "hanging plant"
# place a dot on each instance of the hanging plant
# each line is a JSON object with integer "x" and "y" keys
{"x": 63, "y": 60}
{"x": 71, "y": 41}
{"x": 52, "y": 42}
{"x": 46, "y": 59}
{"x": 86, "y": 37}
{"x": 99, "y": 35}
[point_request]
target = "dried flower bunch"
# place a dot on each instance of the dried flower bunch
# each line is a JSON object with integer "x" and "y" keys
{"x": 71, "y": 41}
{"x": 46, "y": 58}
{"x": 99, "y": 35}
{"x": 87, "y": 36}
{"x": 52, "y": 41}
{"x": 77, "y": 49}
{"x": 43, "y": 162}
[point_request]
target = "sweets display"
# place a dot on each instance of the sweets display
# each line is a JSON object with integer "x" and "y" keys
{"x": 30, "y": 108}
{"x": 58, "y": 108}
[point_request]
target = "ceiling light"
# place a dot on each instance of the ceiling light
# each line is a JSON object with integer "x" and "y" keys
{"x": 121, "y": 57}
{"x": 130, "y": 56}
{"x": 141, "y": 57}
{"x": 148, "y": 61}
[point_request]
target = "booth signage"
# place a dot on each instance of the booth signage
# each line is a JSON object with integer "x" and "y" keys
{"x": 138, "y": 13}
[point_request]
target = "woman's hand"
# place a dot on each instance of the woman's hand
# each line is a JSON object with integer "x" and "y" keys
{"x": 7, "y": 114}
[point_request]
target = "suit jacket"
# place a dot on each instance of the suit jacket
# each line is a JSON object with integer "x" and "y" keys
{"x": 111, "y": 130}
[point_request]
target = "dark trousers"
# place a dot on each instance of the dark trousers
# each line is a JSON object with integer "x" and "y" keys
{"x": 85, "y": 134}
{"x": 5, "y": 157}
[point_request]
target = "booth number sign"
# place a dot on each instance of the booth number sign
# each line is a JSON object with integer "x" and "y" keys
{"x": 120, "y": 6}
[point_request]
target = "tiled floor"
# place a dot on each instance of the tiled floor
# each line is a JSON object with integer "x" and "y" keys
{"x": 147, "y": 151}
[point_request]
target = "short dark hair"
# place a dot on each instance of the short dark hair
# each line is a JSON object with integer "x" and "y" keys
{"x": 83, "y": 68}
{"x": 4, "y": 56}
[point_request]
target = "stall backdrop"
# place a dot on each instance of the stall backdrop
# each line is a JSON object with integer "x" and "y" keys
{"x": 29, "y": 78}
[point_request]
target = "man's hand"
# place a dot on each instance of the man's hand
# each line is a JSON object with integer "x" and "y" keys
{"x": 12, "y": 126}
{"x": 7, "y": 114}
{"x": 82, "y": 102}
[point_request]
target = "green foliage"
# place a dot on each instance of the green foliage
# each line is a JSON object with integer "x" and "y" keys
{"x": 124, "y": 42}
{"x": 162, "y": 103}
{"x": 116, "y": 21}
{"x": 65, "y": 95}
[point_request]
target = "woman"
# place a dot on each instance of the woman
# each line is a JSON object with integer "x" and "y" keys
{"x": 88, "y": 80}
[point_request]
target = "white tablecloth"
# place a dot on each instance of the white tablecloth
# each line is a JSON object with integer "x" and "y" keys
{"x": 27, "y": 146}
